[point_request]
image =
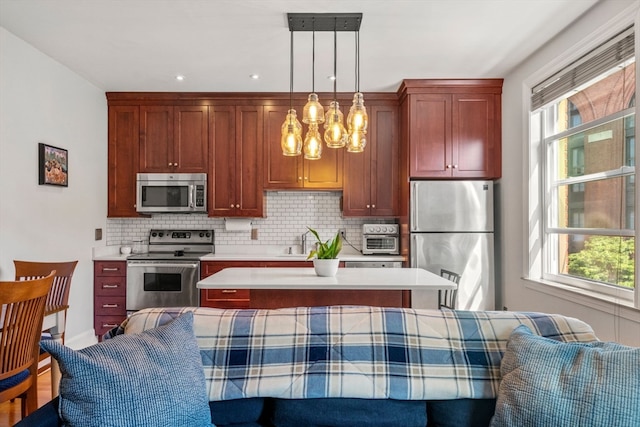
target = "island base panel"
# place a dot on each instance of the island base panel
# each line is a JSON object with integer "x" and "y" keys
{"x": 279, "y": 298}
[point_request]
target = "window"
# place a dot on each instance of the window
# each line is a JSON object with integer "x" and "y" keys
{"x": 582, "y": 123}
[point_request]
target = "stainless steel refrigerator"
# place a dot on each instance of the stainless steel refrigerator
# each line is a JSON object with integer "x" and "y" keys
{"x": 451, "y": 225}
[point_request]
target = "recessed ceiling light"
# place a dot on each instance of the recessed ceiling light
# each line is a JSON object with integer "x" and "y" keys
{"x": 180, "y": 77}
{"x": 254, "y": 76}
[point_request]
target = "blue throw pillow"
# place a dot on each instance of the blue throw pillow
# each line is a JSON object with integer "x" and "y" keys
{"x": 552, "y": 383}
{"x": 154, "y": 378}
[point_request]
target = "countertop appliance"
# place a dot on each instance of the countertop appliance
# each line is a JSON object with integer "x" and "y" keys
{"x": 451, "y": 226}
{"x": 166, "y": 276}
{"x": 373, "y": 264}
{"x": 171, "y": 192}
{"x": 380, "y": 239}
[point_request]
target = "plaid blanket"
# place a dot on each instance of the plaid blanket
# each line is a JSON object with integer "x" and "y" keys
{"x": 360, "y": 352}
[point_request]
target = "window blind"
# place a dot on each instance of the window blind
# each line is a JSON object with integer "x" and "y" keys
{"x": 613, "y": 52}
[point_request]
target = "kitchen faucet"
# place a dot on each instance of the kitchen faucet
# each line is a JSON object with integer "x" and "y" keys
{"x": 303, "y": 239}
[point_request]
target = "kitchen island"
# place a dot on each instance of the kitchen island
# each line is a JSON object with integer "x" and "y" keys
{"x": 295, "y": 287}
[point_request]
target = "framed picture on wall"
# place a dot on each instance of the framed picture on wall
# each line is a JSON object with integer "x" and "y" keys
{"x": 53, "y": 165}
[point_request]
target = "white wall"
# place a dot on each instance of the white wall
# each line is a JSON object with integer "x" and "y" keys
{"x": 610, "y": 321}
{"x": 42, "y": 101}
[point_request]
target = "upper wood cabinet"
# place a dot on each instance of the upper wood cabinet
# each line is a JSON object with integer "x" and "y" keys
{"x": 371, "y": 177}
{"x": 295, "y": 172}
{"x": 174, "y": 139}
{"x": 235, "y": 179}
{"x": 124, "y": 132}
{"x": 452, "y": 128}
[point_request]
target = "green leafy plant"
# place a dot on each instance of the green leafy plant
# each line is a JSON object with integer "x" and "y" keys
{"x": 327, "y": 250}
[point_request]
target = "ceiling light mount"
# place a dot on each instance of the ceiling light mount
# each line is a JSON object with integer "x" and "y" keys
{"x": 324, "y": 21}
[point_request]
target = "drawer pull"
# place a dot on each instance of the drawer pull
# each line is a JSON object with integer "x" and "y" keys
{"x": 110, "y": 269}
{"x": 105, "y": 286}
{"x": 110, "y": 325}
{"x": 229, "y": 291}
{"x": 109, "y": 305}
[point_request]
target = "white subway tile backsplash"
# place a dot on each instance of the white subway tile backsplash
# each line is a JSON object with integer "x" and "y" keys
{"x": 288, "y": 215}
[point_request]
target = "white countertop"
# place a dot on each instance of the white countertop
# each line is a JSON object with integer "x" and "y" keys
{"x": 306, "y": 278}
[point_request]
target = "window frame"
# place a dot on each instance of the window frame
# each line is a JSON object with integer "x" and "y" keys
{"x": 539, "y": 236}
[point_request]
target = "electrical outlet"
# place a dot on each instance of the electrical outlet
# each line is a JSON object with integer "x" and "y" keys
{"x": 98, "y": 234}
{"x": 343, "y": 232}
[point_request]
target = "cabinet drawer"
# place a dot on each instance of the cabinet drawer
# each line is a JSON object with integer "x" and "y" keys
{"x": 111, "y": 268}
{"x": 110, "y": 286}
{"x": 226, "y": 294}
{"x": 103, "y": 324}
{"x": 110, "y": 306}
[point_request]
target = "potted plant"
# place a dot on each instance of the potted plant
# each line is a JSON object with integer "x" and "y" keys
{"x": 325, "y": 255}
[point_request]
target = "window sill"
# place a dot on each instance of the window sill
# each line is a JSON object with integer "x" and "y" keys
{"x": 605, "y": 303}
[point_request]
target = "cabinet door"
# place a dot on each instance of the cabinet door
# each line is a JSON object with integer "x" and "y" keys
{"x": 156, "y": 139}
{"x": 190, "y": 142}
{"x": 280, "y": 172}
{"x": 356, "y": 195}
{"x": 475, "y": 135}
{"x": 222, "y": 179}
{"x": 430, "y": 136}
{"x": 124, "y": 133}
{"x": 384, "y": 160}
{"x": 249, "y": 196}
{"x": 325, "y": 173}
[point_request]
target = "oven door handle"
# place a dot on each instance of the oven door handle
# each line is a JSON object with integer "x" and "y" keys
{"x": 162, "y": 264}
{"x": 192, "y": 192}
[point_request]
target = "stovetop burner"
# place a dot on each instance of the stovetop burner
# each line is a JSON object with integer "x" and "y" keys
{"x": 184, "y": 245}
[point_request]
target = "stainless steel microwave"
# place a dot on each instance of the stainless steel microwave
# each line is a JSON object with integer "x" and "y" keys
{"x": 171, "y": 192}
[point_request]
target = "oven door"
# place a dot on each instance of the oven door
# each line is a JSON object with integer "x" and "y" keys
{"x": 162, "y": 284}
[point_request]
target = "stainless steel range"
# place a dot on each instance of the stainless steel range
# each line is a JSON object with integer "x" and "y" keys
{"x": 166, "y": 276}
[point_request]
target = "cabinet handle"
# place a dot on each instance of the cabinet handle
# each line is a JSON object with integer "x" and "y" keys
{"x": 237, "y": 206}
{"x": 109, "y": 305}
{"x": 229, "y": 291}
{"x": 105, "y": 286}
{"x": 299, "y": 178}
{"x": 110, "y": 269}
{"x": 175, "y": 164}
{"x": 448, "y": 166}
{"x": 170, "y": 164}
{"x": 455, "y": 166}
{"x": 373, "y": 206}
{"x": 306, "y": 178}
{"x": 110, "y": 325}
{"x": 368, "y": 206}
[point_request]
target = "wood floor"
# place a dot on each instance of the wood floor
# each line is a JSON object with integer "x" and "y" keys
{"x": 10, "y": 411}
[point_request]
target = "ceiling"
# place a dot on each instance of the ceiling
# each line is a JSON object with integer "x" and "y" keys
{"x": 141, "y": 45}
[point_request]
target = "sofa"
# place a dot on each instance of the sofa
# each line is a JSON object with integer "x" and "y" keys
{"x": 360, "y": 366}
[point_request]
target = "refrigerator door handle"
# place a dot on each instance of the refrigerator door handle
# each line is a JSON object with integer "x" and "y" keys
{"x": 414, "y": 208}
{"x": 413, "y": 259}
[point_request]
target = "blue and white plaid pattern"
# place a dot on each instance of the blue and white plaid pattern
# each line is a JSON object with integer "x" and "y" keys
{"x": 359, "y": 352}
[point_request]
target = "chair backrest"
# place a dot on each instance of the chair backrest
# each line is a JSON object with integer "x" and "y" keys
{"x": 21, "y": 319}
{"x": 448, "y": 297}
{"x": 59, "y": 294}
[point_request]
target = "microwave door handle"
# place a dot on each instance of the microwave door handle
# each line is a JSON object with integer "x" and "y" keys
{"x": 192, "y": 190}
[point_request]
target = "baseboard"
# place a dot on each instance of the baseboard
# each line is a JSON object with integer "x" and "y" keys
{"x": 81, "y": 340}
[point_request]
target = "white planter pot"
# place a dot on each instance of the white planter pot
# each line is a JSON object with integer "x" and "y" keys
{"x": 326, "y": 267}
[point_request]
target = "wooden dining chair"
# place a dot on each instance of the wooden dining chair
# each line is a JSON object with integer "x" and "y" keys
{"x": 447, "y": 298}
{"x": 22, "y": 306}
{"x": 58, "y": 297}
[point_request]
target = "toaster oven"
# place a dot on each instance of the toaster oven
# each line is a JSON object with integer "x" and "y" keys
{"x": 380, "y": 239}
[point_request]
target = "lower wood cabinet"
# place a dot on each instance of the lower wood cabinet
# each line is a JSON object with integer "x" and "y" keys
{"x": 280, "y": 298}
{"x": 109, "y": 295}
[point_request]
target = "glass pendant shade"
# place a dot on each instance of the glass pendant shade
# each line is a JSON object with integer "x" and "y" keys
{"x": 335, "y": 134}
{"x": 313, "y": 143}
{"x": 356, "y": 142}
{"x": 313, "y": 111}
{"x": 357, "y": 120}
{"x": 291, "y": 140}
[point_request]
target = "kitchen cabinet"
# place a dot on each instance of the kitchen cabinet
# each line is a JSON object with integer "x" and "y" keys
{"x": 124, "y": 129}
{"x": 109, "y": 295}
{"x": 452, "y": 128}
{"x": 174, "y": 139}
{"x": 295, "y": 172}
{"x": 371, "y": 177}
{"x": 236, "y": 140}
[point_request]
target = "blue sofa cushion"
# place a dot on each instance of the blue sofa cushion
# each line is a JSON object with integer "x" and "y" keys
{"x": 237, "y": 412}
{"x": 148, "y": 379}
{"x": 550, "y": 383}
{"x": 460, "y": 412}
{"x": 348, "y": 412}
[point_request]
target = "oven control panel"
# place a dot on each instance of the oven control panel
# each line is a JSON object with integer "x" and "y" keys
{"x": 186, "y": 237}
{"x": 380, "y": 229}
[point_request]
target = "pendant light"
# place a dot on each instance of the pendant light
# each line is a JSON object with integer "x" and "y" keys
{"x": 335, "y": 135}
{"x": 313, "y": 112}
{"x": 357, "y": 120}
{"x": 291, "y": 140}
